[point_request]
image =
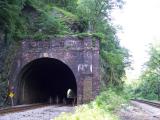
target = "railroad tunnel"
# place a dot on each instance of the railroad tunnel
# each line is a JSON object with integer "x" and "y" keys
{"x": 46, "y": 79}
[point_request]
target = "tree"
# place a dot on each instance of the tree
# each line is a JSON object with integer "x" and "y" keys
{"x": 149, "y": 87}
{"x": 97, "y": 12}
{"x": 114, "y": 58}
{"x": 10, "y": 18}
{"x": 69, "y": 5}
{"x": 93, "y": 14}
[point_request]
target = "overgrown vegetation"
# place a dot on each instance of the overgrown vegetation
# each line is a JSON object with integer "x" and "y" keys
{"x": 149, "y": 82}
{"x": 5, "y": 71}
{"x": 41, "y": 19}
{"x": 103, "y": 108}
{"x": 113, "y": 57}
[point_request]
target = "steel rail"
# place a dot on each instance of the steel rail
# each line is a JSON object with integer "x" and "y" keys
{"x": 21, "y": 108}
{"x": 152, "y": 103}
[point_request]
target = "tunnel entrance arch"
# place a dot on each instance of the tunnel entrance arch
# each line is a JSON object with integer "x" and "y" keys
{"x": 43, "y": 80}
{"x": 80, "y": 57}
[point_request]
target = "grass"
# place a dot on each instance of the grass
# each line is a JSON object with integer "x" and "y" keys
{"x": 84, "y": 112}
{"x": 67, "y": 16}
{"x": 103, "y": 108}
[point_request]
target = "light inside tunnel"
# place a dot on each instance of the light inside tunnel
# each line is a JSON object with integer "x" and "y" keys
{"x": 44, "y": 80}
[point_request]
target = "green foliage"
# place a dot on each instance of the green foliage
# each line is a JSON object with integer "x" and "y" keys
{"x": 9, "y": 18}
{"x": 86, "y": 113}
{"x": 69, "y": 5}
{"x": 149, "y": 87}
{"x": 40, "y": 19}
{"x": 43, "y": 20}
{"x": 96, "y": 11}
{"x": 10, "y": 53}
{"x": 114, "y": 58}
{"x": 16, "y": 23}
{"x": 111, "y": 100}
{"x": 102, "y": 108}
{"x": 39, "y": 36}
{"x": 65, "y": 15}
{"x": 47, "y": 24}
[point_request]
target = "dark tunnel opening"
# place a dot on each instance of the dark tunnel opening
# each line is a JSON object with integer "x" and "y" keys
{"x": 46, "y": 80}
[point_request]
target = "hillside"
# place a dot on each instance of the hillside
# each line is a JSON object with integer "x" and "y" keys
{"x": 42, "y": 20}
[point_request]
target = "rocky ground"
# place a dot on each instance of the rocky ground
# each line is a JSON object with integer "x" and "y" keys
{"x": 139, "y": 111}
{"x": 45, "y": 113}
{"x": 133, "y": 111}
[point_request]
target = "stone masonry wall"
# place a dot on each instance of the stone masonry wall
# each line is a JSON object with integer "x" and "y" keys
{"x": 81, "y": 55}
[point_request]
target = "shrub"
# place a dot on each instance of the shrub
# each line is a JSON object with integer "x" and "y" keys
{"x": 100, "y": 109}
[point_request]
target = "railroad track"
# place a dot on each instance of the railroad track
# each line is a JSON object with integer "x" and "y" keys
{"x": 152, "y": 103}
{"x": 20, "y": 108}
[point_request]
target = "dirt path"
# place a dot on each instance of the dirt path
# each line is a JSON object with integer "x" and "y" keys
{"x": 139, "y": 111}
{"x": 46, "y": 113}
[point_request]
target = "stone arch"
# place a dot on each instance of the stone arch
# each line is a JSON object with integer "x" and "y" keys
{"x": 44, "y": 78}
{"x": 81, "y": 56}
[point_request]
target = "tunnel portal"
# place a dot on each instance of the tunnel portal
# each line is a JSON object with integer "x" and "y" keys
{"x": 45, "y": 79}
{"x": 43, "y": 70}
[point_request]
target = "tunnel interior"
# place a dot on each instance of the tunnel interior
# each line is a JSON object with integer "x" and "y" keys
{"x": 46, "y": 80}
